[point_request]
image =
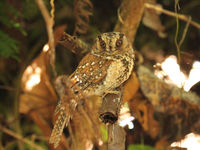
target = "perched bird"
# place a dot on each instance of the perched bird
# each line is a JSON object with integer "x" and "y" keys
{"x": 104, "y": 68}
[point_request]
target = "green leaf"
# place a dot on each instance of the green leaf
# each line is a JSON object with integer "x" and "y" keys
{"x": 8, "y": 46}
{"x": 6, "y": 11}
{"x": 140, "y": 147}
{"x": 104, "y": 133}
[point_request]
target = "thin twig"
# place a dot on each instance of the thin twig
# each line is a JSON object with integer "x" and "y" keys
{"x": 49, "y": 25}
{"x": 119, "y": 16}
{"x": 167, "y": 12}
{"x": 177, "y": 31}
{"x": 52, "y": 9}
{"x": 5, "y": 87}
{"x": 19, "y": 137}
{"x": 184, "y": 32}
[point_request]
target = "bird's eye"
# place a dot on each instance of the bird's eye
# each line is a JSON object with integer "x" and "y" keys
{"x": 118, "y": 43}
{"x": 102, "y": 44}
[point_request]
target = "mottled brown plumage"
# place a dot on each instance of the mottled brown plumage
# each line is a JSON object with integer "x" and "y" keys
{"x": 106, "y": 67}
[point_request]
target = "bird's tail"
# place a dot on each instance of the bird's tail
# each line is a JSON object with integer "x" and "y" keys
{"x": 62, "y": 120}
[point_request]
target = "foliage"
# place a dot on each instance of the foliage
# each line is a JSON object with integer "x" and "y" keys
{"x": 8, "y": 46}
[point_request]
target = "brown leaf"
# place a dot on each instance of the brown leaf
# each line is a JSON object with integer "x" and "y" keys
{"x": 151, "y": 19}
{"x": 144, "y": 112}
{"x": 39, "y": 94}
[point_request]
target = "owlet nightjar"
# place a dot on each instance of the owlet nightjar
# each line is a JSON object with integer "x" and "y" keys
{"x": 104, "y": 68}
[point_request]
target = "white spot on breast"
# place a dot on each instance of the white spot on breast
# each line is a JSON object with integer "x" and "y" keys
{"x": 93, "y": 63}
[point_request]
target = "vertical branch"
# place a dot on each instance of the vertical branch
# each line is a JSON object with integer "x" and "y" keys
{"x": 129, "y": 16}
{"x": 185, "y": 31}
{"x": 49, "y": 20}
{"x": 116, "y": 137}
{"x": 110, "y": 107}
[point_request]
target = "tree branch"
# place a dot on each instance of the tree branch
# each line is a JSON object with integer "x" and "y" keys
{"x": 129, "y": 14}
{"x": 49, "y": 20}
{"x": 19, "y": 137}
{"x": 167, "y": 12}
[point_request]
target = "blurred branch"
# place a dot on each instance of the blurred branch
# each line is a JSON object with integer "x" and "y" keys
{"x": 129, "y": 14}
{"x": 110, "y": 107}
{"x": 184, "y": 32}
{"x": 19, "y": 137}
{"x": 49, "y": 20}
{"x": 116, "y": 137}
{"x": 176, "y": 5}
{"x": 167, "y": 12}
{"x": 74, "y": 44}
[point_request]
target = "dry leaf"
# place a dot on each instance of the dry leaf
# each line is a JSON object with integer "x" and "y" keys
{"x": 151, "y": 19}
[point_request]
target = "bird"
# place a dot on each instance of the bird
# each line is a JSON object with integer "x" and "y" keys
{"x": 107, "y": 66}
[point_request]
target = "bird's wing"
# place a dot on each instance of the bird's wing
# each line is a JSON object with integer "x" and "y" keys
{"x": 91, "y": 70}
